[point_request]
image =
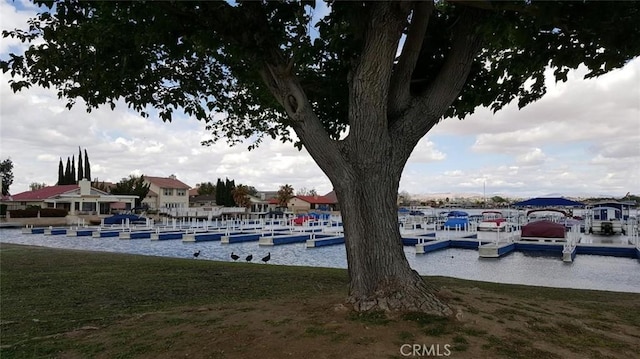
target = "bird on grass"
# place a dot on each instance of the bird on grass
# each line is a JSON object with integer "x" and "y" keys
{"x": 266, "y": 258}
{"x": 234, "y": 256}
{"x": 249, "y": 258}
{"x": 196, "y": 254}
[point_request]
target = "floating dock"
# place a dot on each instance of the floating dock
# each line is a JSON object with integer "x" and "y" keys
{"x": 32, "y": 230}
{"x": 80, "y": 232}
{"x": 54, "y": 231}
{"x": 238, "y": 238}
{"x": 495, "y": 250}
{"x": 324, "y": 241}
{"x": 284, "y": 239}
{"x": 208, "y": 236}
{"x": 437, "y": 244}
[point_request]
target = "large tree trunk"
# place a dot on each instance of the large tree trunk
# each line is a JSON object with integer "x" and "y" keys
{"x": 380, "y": 275}
{"x": 365, "y": 166}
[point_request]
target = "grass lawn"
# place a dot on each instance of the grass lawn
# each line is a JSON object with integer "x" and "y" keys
{"x": 74, "y": 304}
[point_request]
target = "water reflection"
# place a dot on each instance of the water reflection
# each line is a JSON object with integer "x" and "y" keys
{"x": 587, "y": 272}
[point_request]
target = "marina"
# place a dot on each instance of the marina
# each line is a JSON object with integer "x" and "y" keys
{"x": 499, "y": 254}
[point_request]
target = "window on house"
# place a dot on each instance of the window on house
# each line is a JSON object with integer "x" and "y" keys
{"x": 168, "y": 191}
{"x": 181, "y": 192}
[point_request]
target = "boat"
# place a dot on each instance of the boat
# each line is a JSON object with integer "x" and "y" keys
{"x": 124, "y": 219}
{"x": 457, "y": 220}
{"x": 550, "y": 225}
{"x": 543, "y": 230}
{"x": 608, "y": 218}
{"x": 492, "y": 221}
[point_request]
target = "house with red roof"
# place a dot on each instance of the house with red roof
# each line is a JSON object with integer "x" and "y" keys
{"x": 166, "y": 192}
{"x": 78, "y": 198}
{"x": 328, "y": 202}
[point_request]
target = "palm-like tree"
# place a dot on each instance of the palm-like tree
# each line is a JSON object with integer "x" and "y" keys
{"x": 285, "y": 193}
{"x": 241, "y": 196}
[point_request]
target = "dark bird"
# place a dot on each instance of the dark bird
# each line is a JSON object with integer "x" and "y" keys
{"x": 196, "y": 254}
{"x": 234, "y": 256}
{"x": 249, "y": 257}
{"x": 266, "y": 258}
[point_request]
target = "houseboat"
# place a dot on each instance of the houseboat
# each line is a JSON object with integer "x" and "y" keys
{"x": 608, "y": 218}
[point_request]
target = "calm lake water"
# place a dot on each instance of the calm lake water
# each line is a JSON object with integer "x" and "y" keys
{"x": 586, "y": 272}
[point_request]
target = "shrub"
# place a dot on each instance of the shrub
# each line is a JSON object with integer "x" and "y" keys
{"x": 33, "y": 212}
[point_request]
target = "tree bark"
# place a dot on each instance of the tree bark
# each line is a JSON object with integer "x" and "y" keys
{"x": 380, "y": 275}
{"x": 366, "y": 166}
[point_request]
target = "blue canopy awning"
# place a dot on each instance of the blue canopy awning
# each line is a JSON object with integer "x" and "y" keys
{"x": 548, "y": 202}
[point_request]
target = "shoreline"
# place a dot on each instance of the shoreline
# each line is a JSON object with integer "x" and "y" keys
{"x": 426, "y": 277}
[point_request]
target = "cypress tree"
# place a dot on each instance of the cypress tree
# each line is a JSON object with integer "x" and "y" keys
{"x": 73, "y": 170}
{"x": 220, "y": 191}
{"x": 60, "y": 172}
{"x": 80, "y": 171}
{"x": 228, "y": 193}
{"x": 67, "y": 172}
{"x": 87, "y": 168}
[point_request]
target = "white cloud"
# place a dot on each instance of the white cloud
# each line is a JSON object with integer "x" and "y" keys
{"x": 426, "y": 152}
{"x": 582, "y": 137}
{"x": 535, "y": 156}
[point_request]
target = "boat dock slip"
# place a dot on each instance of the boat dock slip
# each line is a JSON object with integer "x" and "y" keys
{"x": 208, "y": 236}
{"x": 161, "y": 236}
{"x": 608, "y": 249}
{"x": 431, "y": 246}
{"x": 80, "y": 232}
{"x": 237, "y": 238}
{"x": 290, "y": 238}
{"x": 495, "y": 250}
{"x": 31, "y": 230}
{"x": 106, "y": 233}
{"x": 54, "y": 231}
{"x": 135, "y": 235}
{"x": 324, "y": 241}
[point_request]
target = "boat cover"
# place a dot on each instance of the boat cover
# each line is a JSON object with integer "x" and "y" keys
{"x": 543, "y": 229}
{"x": 122, "y": 218}
{"x": 548, "y": 202}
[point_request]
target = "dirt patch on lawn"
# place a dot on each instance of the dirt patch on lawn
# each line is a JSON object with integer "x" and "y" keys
{"x": 486, "y": 325}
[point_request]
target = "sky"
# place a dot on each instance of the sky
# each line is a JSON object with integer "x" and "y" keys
{"x": 581, "y": 139}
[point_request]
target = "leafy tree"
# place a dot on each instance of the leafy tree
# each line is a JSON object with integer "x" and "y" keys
{"x": 404, "y": 198}
{"x": 252, "y": 190}
{"x": 6, "y": 172}
{"x": 241, "y": 196}
{"x": 498, "y": 199}
{"x": 385, "y": 71}
{"x": 102, "y": 186}
{"x": 285, "y": 193}
{"x": 36, "y": 186}
{"x": 206, "y": 189}
{"x": 306, "y": 192}
{"x": 132, "y": 186}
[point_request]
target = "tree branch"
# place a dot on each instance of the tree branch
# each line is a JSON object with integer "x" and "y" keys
{"x": 399, "y": 95}
{"x": 427, "y": 108}
{"x": 371, "y": 75}
{"x": 288, "y": 91}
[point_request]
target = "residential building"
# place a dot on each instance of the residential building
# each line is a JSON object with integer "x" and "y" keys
{"x": 328, "y": 202}
{"x": 166, "y": 192}
{"x": 78, "y": 198}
